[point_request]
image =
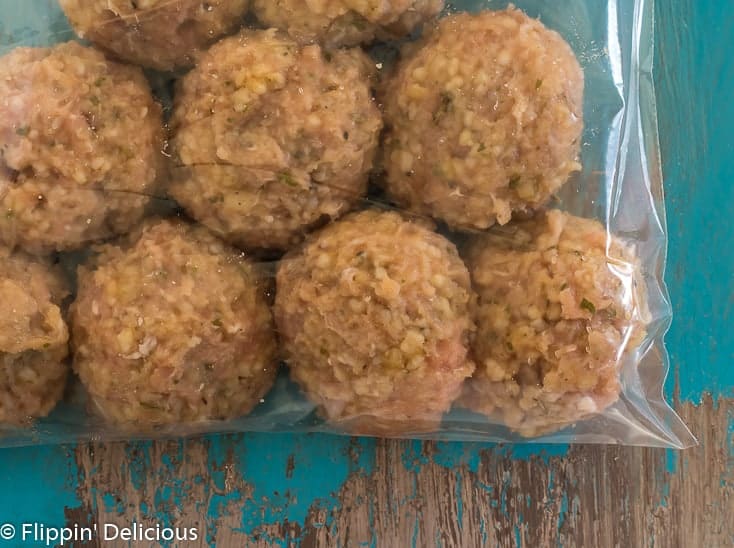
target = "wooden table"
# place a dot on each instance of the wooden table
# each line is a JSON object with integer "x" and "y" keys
{"x": 310, "y": 490}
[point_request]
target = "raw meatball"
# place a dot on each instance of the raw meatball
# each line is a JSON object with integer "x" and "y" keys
{"x": 172, "y": 327}
{"x": 81, "y": 147}
{"x": 373, "y": 315}
{"x": 271, "y": 139}
{"x": 484, "y": 119}
{"x": 33, "y": 337}
{"x": 160, "y": 34}
{"x": 346, "y": 22}
{"x": 555, "y": 316}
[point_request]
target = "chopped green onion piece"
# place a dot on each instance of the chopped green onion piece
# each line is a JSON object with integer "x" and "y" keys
{"x": 588, "y": 305}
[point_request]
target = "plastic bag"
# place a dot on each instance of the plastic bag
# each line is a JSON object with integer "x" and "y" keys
{"x": 352, "y": 376}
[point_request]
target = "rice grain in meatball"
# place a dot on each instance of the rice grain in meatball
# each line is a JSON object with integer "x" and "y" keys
{"x": 271, "y": 139}
{"x": 373, "y": 315}
{"x": 82, "y": 140}
{"x": 484, "y": 118}
{"x": 172, "y": 327}
{"x": 159, "y": 34}
{"x": 33, "y": 337}
{"x": 346, "y": 22}
{"x": 555, "y": 318}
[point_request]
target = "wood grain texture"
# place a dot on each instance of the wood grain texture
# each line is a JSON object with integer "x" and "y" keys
{"x": 594, "y": 496}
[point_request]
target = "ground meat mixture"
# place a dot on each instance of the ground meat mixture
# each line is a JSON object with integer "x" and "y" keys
{"x": 555, "y": 317}
{"x": 346, "y": 22}
{"x": 484, "y": 118}
{"x": 81, "y": 147}
{"x": 172, "y": 326}
{"x": 160, "y": 34}
{"x": 373, "y": 314}
{"x": 271, "y": 139}
{"x": 33, "y": 337}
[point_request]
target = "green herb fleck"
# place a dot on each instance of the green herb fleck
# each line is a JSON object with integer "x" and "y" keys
{"x": 287, "y": 178}
{"x": 509, "y": 346}
{"x": 9, "y": 214}
{"x": 150, "y": 406}
{"x": 323, "y": 351}
{"x": 99, "y": 81}
{"x": 22, "y": 131}
{"x": 445, "y": 106}
{"x": 359, "y": 24}
{"x": 588, "y": 305}
{"x": 328, "y": 56}
{"x": 514, "y": 181}
{"x": 46, "y": 345}
{"x": 564, "y": 286}
{"x": 217, "y": 322}
{"x": 346, "y": 135}
{"x": 94, "y": 100}
{"x": 538, "y": 83}
{"x": 482, "y": 148}
{"x": 609, "y": 313}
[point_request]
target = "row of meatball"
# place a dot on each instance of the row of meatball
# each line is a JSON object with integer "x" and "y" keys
{"x": 382, "y": 324}
{"x": 171, "y": 34}
{"x": 269, "y": 139}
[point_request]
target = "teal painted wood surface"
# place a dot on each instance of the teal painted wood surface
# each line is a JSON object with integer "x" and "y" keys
{"x": 310, "y": 490}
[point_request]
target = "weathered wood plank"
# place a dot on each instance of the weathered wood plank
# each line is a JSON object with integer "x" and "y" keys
{"x": 593, "y": 496}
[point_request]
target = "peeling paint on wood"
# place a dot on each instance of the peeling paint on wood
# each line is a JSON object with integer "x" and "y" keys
{"x": 592, "y": 496}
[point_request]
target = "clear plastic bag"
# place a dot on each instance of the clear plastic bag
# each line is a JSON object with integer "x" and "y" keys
{"x": 619, "y": 184}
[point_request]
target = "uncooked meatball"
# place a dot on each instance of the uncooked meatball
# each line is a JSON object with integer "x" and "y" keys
{"x": 373, "y": 314}
{"x": 555, "y": 318}
{"x": 484, "y": 119}
{"x": 271, "y": 139}
{"x": 33, "y": 337}
{"x": 159, "y": 34}
{"x": 82, "y": 140}
{"x": 172, "y": 327}
{"x": 346, "y": 22}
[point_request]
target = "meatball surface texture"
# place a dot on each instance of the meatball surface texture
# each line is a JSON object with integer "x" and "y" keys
{"x": 556, "y": 315}
{"x": 82, "y": 154}
{"x": 172, "y": 326}
{"x": 158, "y": 34}
{"x": 271, "y": 139}
{"x": 346, "y": 22}
{"x": 373, "y": 315}
{"x": 33, "y": 337}
{"x": 484, "y": 119}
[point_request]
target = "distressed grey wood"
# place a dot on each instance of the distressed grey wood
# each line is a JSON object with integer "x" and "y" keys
{"x": 594, "y": 496}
